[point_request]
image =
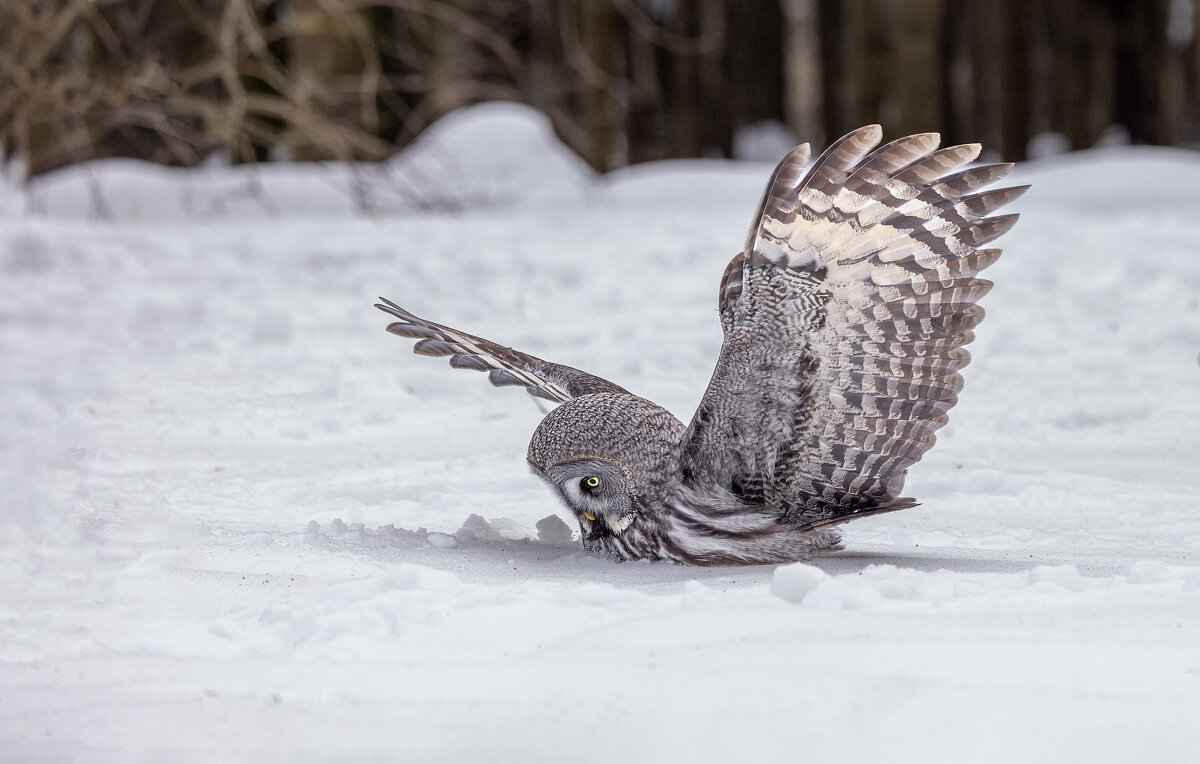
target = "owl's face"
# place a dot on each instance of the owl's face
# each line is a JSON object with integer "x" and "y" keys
{"x": 597, "y": 492}
{"x": 611, "y": 457}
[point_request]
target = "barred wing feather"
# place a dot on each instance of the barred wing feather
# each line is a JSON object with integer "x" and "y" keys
{"x": 845, "y": 322}
{"x": 504, "y": 366}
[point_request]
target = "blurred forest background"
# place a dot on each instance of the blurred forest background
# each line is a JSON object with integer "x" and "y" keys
{"x": 624, "y": 81}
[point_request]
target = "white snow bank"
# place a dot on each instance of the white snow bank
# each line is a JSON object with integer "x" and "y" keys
{"x": 503, "y": 155}
{"x": 491, "y": 155}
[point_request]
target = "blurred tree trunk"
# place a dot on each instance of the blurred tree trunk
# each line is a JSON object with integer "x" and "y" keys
{"x": 327, "y": 55}
{"x": 1173, "y": 82}
{"x": 958, "y": 82}
{"x": 913, "y": 92}
{"x": 850, "y": 65}
{"x": 599, "y": 21}
{"x": 1082, "y": 37}
{"x": 1100, "y": 90}
{"x": 1192, "y": 130}
{"x": 1141, "y": 62}
{"x": 696, "y": 80}
{"x": 1041, "y": 71}
{"x": 1015, "y": 80}
{"x": 33, "y": 134}
{"x": 749, "y": 78}
{"x": 802, "y": 98}
{"x": 544, "y": 88}
{"x": 644, "y": 129}
{"x": 685, "y": 86}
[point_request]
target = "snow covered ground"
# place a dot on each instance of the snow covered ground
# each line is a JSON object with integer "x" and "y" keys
{"x": 243, "y": 523}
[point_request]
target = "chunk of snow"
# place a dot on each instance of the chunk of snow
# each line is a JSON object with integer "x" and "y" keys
{"x": 1148, "y": 572}
{"x": 1066, "y": 576}
{"x": 442, "y": 540}
{"x": 553, "y": 531}
{"x": 475, "y": 528}
{"x": 794, "y": 582}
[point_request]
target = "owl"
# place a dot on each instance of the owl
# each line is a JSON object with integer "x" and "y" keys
{"x": 845, "y": 319}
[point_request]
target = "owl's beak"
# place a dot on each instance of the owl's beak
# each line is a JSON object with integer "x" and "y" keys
{"x": 600, "y": 527}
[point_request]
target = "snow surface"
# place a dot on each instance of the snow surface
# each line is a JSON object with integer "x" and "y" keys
{"x": 242, "y": 523}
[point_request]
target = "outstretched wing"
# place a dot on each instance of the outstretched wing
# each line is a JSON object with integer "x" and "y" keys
{"x": 504, "y": 366}
{"x": 845, "y": 320}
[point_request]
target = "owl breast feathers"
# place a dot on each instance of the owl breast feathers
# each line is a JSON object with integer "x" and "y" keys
{"x": 845, "y": 315}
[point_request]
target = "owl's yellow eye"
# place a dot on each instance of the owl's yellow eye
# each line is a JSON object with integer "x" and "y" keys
{"x": 592, "y": 482}
{"x": 590, "y": 517}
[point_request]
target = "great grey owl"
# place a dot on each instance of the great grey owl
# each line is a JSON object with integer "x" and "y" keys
{"x": 845, "y": 317}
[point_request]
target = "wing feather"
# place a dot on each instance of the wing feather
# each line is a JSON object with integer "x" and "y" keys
{"x": 780, "y": 188}
{"x": 504, "y": 366}
{"x": 845, "y": 321}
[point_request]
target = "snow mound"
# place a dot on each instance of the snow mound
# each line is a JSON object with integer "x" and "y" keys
{"x": 796, "y": 581}
{"x": 491, "y": 155}
{"x": 552, "y": 530}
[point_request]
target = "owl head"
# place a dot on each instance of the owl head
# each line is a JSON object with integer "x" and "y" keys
{"x": 610, "y": 457}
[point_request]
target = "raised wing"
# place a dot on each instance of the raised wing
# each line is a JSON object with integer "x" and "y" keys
{"x": 845, "y": 320}
{"x": 504, "y": 366}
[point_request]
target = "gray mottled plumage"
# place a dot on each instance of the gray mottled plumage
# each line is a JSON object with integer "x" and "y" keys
{"x": 845, "y": 318}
